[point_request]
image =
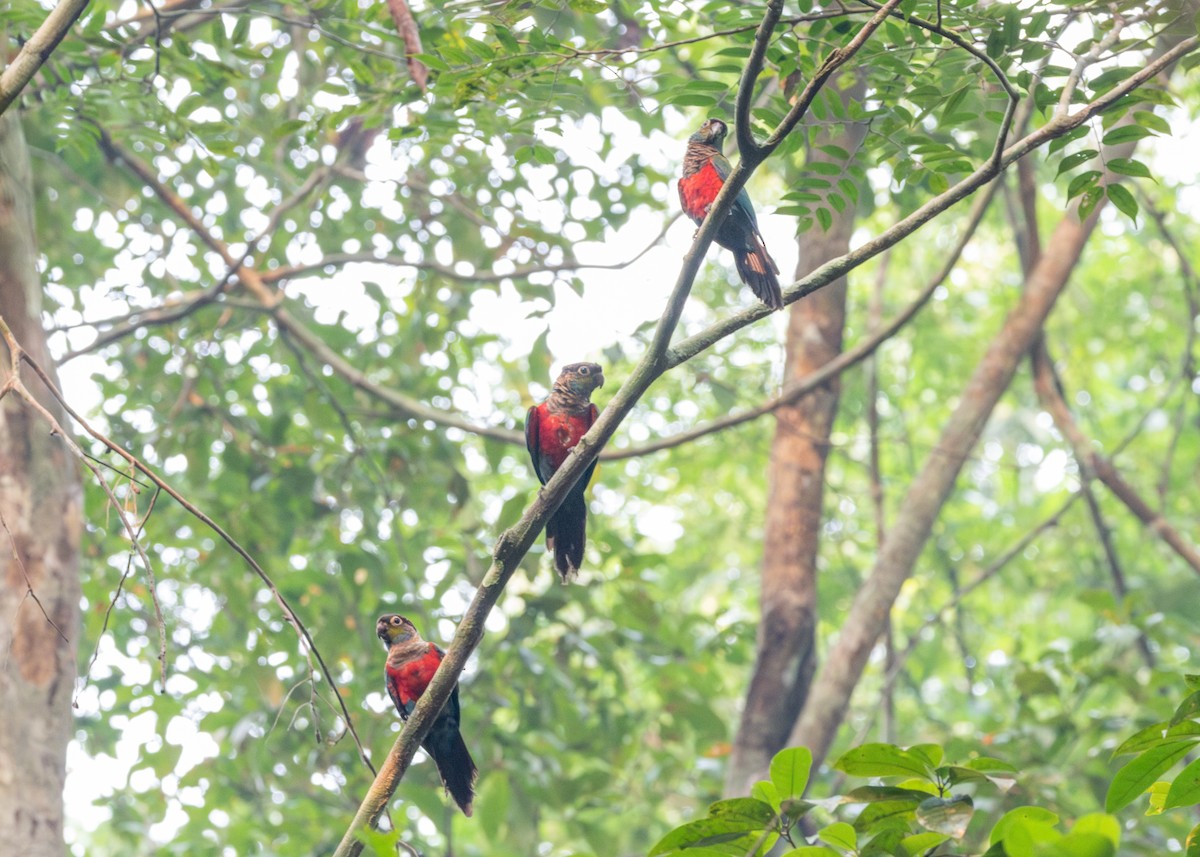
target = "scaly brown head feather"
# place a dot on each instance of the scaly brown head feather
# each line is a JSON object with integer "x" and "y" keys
{"x": 392, "y": 628}
{"x": 573, "y": 388}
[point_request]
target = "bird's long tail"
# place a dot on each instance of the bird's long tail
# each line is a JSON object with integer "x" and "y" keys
{"x": 455, "y": 766}
{"x": 566, "y": 535}
{"x": 758, "y": 270}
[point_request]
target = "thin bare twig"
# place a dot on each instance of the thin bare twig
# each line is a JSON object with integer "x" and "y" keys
{"x": 1120, "y": 589}
{"x": 29, "y": 592}
{"x": 309, "y": 646}
{"x": 112, "y": 604}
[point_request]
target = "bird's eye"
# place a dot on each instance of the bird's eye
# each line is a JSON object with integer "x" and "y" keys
{"x": 583, "y": 370}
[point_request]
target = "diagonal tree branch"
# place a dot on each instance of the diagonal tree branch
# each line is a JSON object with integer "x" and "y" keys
{"x": 406, "y": 25}
{"x": 38, "y": 49}
{"x": 845, "y": 360}
{"x": 1094, "y": 465}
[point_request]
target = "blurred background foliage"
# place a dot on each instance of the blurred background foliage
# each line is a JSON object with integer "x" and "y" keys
{"x": 600, "y": 714}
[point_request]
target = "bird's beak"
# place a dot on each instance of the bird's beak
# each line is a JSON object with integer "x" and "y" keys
{"x": 600, "y": 380}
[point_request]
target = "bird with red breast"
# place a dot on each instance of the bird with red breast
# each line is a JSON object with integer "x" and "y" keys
{"x": 552, "y": 429}
{"x": 705, "y": 170}
{"x": 411, "y": 663}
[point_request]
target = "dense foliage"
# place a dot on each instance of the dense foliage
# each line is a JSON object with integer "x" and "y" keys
{"x": 418, "y": 254}
{"x": 919, "y": 802}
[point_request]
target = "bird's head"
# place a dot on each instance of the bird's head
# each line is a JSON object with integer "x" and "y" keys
{"x": 712, "y": 133}
{"x": 580, "y": 379}
{"x": 392, "y": 628}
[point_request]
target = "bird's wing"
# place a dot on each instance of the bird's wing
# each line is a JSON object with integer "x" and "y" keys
{"x": 742, "y": 206}
{"x": 722, "y": 166}
{"x": 533, "y": 440}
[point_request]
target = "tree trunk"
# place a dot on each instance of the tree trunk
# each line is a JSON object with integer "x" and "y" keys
{"x": 907, "y": 536}
{"x": 786, "y": 655}
{"x": 1045, "y": 279}
{"x": 40, "y": 506}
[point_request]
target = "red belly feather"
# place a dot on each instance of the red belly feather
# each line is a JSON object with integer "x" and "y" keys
{"x": 411, "y": 679}
{"x": 558, "y": 435}
{"x": 698, "y": 191}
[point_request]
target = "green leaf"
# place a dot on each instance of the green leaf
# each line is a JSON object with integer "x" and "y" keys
{"x": 1158, "y": 734}
{"x": 884, "y": 815}
{"x": 1123, "y": 200}
{"x": 1157, "y": 795}
{"x": 790, "y": 770}
{"x": 874, "y": 794}
{"x": 1076, "y": 844}
{"x": 825, "y": 218}
{"x": 1101, "y": 823}
{"x": 1027, "y": 838}
{"x": 811, "y": 851}
{"x": 1140, "y": 773}
{"x": 883, "y": 760}
{"x": 840, "y": 835}
{"x": 1074, "y": 160}
{"x": 946, "y": 815}
{"x": 431, "y": 61}
{"x": 922, "y": 843}
{"x": 1126, "y": 134}
{"x": 1088, "y": 202}
{"x": 1185, "y": 789}
{"x": 886, "y": 843}
{"x": 1129, "y": 167}
{"x": 707, "y": 832}
{"x": 1078, "y": 185}
{"x": 1191, "y": 846}
{"x": 987, "y": 764}
{"x": 835, "y": 152}
{"x": 931, "y": 753}
{"x": 1021, "y": 815}
{"x": 1065, "y": 139}
{"x": 1153, "y": 121}
{"x": 744, "y": 810}
{"x": 766, "y": 792}
{"x": 1189, "y": 709}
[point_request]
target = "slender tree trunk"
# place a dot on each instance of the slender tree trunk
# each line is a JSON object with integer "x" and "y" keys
{"x": 786, "y": 655}
{"x": 39, "y": 547}
{"x": 908, "y": 534}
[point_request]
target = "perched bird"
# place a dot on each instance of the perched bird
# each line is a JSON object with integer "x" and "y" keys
{"x": 551, "y": 430}
{"x": 411, "y": 663}
{"x": 704, "y": 172}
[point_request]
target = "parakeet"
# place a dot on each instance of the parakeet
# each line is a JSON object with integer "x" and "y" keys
{"x": 704, "y": 172}
{"x": 411, "y": 663}
{"x": 551, "y": 430}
